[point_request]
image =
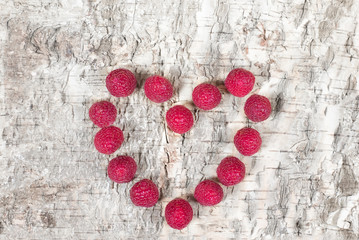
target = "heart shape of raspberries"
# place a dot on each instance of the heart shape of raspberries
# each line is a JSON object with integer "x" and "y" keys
{"x": 231, "y": 171}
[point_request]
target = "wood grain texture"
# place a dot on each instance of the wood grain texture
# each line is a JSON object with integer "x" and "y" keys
{"x": 55, "y": 55}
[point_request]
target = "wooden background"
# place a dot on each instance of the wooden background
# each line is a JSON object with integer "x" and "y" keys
{"x": 55, "y": 55}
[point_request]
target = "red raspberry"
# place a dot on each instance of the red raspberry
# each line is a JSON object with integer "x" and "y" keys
{"x": 179, "y": 119}
{"x": 121, "y": 82}
{"x": 257, "y": 108}
{"x": 247, "y": 141}
{"x": 103, "y": 113}
{"x": 144, "y": 193}
{"x": 122, "y": 169}
{"x": 178, "y": 213}
{"x": 231, "y": 171}
{"x": 206, "y": 96}
{"x": 208, "y": 193}
{"x": 108, "y": 139}
{"x": 158, "y": 89}
{"x": 239, "y": 82}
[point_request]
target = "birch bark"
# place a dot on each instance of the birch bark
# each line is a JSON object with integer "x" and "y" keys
{"x": 55, "y": 55}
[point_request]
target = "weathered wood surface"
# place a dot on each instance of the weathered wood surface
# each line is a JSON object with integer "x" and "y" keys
{"x": 55, "y": 55}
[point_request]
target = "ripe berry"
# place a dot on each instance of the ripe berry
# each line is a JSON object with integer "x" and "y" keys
{"x": 158, "y": 89}
{"x": 257, "y": 108}
{"x": 206, "y": 96}
{"x": 121, "y": 82}
{"x": 122, "y": 169}
{"x": 179, "y": 119}
{"x": 208, "y": 193}
{"x": 231, "y": 171}
{"x": 144, "y": 193}
{"x": 247, "y": 141}
{"x": 178, "y": 213}
{"x": 108, "y": 139}
{"x": 103, "y": 113}
{"x": 239, "y": 82}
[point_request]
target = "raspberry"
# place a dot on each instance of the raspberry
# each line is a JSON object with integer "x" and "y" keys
{"x": 144, "y": 193}
{"x": 239, "y": 82}
{"x": 121, "y": 82}
{"x": 103, "y": 113}
{"x": 208, "y": 193}
{"x": 257, "y": 108}
{"x": 122, "y": 169}
{"x": 158, "y": 89}
{"x": 231, "y": 171}
{"x": 178, "y": 213}
{"x": 206, "y": 96}
{"x": 179, "y": 119}
{"x": 247, "y": 141}
{"x": 108, "y": 139}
